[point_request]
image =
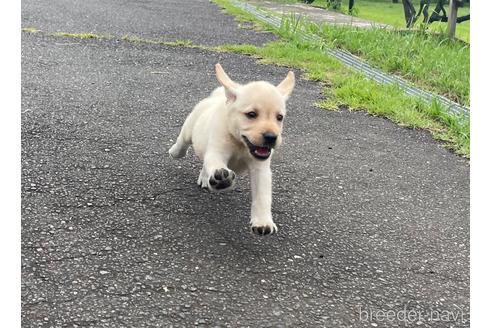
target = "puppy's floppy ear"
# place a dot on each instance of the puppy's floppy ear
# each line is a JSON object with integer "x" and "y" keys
{"x": 229, "y": 85}
{"x": 287, "y": 85}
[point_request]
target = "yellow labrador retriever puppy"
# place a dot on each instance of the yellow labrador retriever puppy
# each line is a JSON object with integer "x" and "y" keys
{"x": 235, "y": 130}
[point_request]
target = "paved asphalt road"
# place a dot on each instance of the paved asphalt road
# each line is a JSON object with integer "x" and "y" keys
{"x": 371, "y": 216}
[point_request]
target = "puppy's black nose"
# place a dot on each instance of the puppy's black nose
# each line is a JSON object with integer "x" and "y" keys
{"x": 269, "y": 138}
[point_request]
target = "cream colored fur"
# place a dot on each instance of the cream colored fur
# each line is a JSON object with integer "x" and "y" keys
{"x": 219, "y": 130}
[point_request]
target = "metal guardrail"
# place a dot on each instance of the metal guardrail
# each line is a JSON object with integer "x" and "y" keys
{"x": 359, "y": 65}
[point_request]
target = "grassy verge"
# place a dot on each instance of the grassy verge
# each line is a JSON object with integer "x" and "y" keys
{"x": 344, "y": 87}
{"x": 387, "y": 12}
{"x": 81, "y": 35}
{"x": 30, "y": 30}
{"x": 430, "y": 61}
{"x": 390, "y": 13}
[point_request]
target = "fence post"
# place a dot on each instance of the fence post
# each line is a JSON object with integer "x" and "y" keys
{"x": 453, "y": 14}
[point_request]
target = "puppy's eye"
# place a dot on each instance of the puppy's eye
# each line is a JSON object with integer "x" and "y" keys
{"x": 251, "y": 114}
{"x": 280, "y": 117}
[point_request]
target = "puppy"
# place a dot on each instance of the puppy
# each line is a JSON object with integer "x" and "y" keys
{"x": 235, "y": 130}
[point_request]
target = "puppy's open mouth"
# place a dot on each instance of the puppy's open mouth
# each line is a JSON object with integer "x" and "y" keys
{"x": 259, "y": 152}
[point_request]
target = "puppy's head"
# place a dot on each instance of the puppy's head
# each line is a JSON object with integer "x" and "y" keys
{"x": 256, "y": 112}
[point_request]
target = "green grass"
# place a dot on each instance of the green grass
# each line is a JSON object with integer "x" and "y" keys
{"x": 429, "y": 60}
{"x": 81, "y": 35}
{"x": 176, "y": 43}
{"x": 387, "y": 12}
{"x": 432, "y": 62}
{"x": 30, "y": 30}
{"x": 126, "y": 37}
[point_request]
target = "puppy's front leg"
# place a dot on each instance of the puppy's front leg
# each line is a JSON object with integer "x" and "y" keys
{"x": 218, "y": 176}
{"x": 261, "y": 194}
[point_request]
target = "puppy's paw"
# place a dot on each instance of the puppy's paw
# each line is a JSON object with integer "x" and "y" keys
{"x": 222, "y": 179}
{"x": 263, "y": 229}
{"x": 177, "y": 152}
{"x": 202, "y": 180}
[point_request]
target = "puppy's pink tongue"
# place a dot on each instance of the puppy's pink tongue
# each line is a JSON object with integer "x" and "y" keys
{"x": 262, "y": 151}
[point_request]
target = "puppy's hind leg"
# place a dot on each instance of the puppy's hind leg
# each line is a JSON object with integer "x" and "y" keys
{"x": 183, "y": 142}
{"x": 179, "y": 149}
